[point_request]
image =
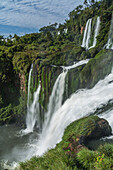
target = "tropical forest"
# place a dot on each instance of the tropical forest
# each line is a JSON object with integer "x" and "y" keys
{"x": 56, "y": 93}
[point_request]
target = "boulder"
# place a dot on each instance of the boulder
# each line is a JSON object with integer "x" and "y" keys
{"x": 101, "y": 128}
{"x": 80, "y": 132}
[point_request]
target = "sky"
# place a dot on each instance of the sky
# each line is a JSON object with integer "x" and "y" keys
{"x": 26, "y": 16}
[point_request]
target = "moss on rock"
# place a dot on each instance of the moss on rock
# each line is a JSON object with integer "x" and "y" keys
{"x": 64, "y": 155}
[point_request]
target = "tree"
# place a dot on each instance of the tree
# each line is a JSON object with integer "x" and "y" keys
{"x": 89, "y": 2}
{"x": 79, "y": 8}
{"x": 10, "y": 36}
{"x": 49, "y": 36}
{"x": 85, "y": 2}
{"x": 49, "y": 28}
{"x": 16, "y": 37}
{"x": 107, "y": 2}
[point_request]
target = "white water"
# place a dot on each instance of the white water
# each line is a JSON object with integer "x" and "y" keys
{"x": 33, "y": 111}
{"x": 109, "y": 44}
{"x": 55, "y": 101}
{"x": 76, "y": 64}
{"x": 87, "y": 34}
{"x": 108, "y": 115}
{"x": 56, "y": 98}
{"x": 82, "y": 103}
{"x": 96, "y": 32}
{"x": 29, "y": 85}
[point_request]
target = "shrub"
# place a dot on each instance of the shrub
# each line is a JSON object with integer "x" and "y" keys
{"x": 107, "y": 149}
{"x": 103, "y": 163}
{"x": 86, "y": 158}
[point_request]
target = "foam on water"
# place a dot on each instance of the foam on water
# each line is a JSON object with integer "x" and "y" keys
{"x": 82, "y": 103}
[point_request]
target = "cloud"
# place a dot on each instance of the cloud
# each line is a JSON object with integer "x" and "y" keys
{"x": 35, "y": 13}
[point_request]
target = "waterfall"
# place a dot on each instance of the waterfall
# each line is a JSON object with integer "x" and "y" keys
{"x": 82, "y": 103}
{"x": 96, "y": 31}
{"x": 33, "y": 111}
{"x": 97, "y": 27}
{"x": 55, "y": 101}
{"x": 88, "y": 33}
{"x": 29, "y": 85}
{"x": 76, "y": 64}
{"x": 109, "y": 44}
{"x": 56, "y": 97}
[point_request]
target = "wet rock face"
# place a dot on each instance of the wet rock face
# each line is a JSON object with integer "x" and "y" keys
{"x": 79, "y": 133}
{"x": 101, "y": 129}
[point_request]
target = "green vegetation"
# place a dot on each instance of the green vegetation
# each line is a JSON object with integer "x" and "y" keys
{"x": 58, "y": 45}
{"x": 70, "y": 154}
{"x": 85, "y": 159}
{"x": 54, "y": 45}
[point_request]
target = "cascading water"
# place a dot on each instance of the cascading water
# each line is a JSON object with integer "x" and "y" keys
{"x": 55, "y": 101}
{"x": 88, "y": 33}
{"x": 109, "y": 44}
{"x": 84, "y": 102}
{"x": 29, "y": 85}
{"x": 85, "y": 35}
{"x": 56, "y": 97}
{"x": 97, "y": 27}
{"x": 33, "y": 111}
{"x": 76, "y": 64}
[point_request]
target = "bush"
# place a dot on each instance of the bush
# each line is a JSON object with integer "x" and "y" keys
{"x": 86, "y": 158}
{"x": 103, "y": 163}
{"x": 53, "y": 160}
{"x": 107, "y": 149}
{"x": 5, "y": 114}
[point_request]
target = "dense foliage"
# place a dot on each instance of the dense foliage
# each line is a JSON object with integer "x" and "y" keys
{"x": 56, "y": 44}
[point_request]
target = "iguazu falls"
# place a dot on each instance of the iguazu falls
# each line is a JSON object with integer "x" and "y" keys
{"x": 56, "y": 90}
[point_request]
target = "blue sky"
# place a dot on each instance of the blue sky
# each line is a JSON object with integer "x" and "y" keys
{"x": 25, "y": 16}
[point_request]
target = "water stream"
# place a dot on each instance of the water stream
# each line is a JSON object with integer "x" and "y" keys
{"x": 33, "y": 113}
{"x": 109, "y": 44}
{"x": 97, "y": 28}
{"x": 82, "y": 103}
{"x": 89, "y": 32}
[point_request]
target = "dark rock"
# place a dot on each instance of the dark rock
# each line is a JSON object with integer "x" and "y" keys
{"x": 80, "y": 132}
{"x": 101, "y": 129}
